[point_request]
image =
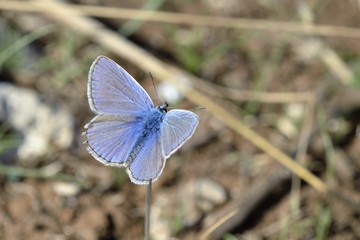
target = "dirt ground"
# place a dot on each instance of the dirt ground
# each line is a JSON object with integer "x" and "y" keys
{"x": 298, "y": 91}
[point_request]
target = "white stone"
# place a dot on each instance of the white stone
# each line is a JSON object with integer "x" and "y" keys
{"x": 35, "y": 121}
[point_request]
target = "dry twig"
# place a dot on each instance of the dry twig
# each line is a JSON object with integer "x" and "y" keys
{"x": 180, "y": 18}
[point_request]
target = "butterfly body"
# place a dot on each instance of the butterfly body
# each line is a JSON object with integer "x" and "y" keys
{"x": 152, "y": 123}
{"x": 128, "y": 131}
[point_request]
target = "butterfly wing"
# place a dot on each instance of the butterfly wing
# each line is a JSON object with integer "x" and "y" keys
{"x": 113, "y": 91}
{"x": 177, "y": 127}
{"x": 149, "y": 162}
{"x": 111, "y": 138}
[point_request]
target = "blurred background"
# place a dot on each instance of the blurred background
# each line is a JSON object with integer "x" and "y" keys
{"x": 286, "y": 71}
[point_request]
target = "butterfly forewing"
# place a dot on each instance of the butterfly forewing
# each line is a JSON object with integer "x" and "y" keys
{"x": 177, "y": 127}
{"x": 112, "y": 91}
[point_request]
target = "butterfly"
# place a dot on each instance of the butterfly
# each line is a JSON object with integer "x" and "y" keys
{"x": 128, "y": 131}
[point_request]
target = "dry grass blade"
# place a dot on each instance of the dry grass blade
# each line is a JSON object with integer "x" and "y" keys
{"x": 178, "y": 18}
{"x": 165, "y": 72}
{"x": 264, "y": 97}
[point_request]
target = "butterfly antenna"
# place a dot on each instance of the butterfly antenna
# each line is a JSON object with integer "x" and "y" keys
{"x": 152, "y": 79}
{"x": 188, "y": 108}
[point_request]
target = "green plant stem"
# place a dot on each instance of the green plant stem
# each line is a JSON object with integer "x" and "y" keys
{"x": 23, "y": 42}
{"x": 39, "y": 173}
{"x": 147, "y": 213}
{"x": 328, "y": 146}
{"x": 133, "y": 25}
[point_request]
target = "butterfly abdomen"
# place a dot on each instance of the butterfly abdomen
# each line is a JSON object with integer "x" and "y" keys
{"x": 151, "y": 128}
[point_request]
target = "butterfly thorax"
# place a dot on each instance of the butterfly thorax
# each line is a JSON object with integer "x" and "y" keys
{"x": 152, "y": 122}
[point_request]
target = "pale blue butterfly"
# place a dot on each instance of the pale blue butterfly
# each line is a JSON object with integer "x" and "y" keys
{"x": 128, "y": 131}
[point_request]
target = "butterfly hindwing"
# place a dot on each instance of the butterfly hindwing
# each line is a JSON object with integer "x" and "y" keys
{"x": 149, "y": 162}
{"x": 177, "y": 127}
{"x": 111, "y": 138}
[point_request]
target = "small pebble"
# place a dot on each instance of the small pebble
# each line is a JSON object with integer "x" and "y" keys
{"x": 66, "y": 189}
